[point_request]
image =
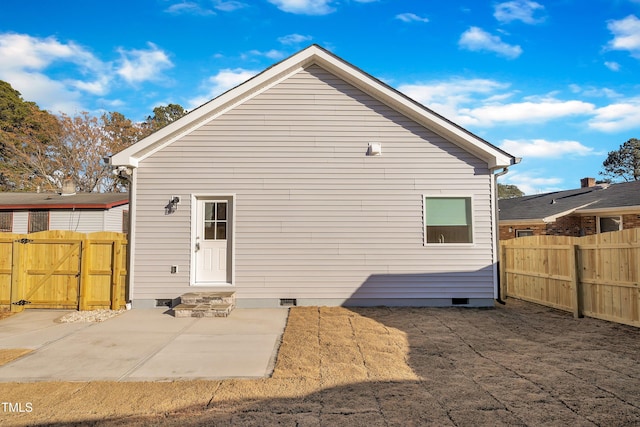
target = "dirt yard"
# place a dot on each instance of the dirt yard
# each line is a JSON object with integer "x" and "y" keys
{"x": 517, "y": 365}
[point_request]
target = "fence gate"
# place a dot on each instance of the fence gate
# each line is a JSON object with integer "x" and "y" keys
{"x": 63, "y": 269}
{"x": 52, "y": 272}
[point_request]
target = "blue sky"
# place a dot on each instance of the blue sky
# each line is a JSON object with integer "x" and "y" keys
{"x": 554, "y": 82}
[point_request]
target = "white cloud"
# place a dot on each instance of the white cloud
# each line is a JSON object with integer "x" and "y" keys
{"x": 228, "y": 5}
{"x": 197, "y": 7}
{"x": 541, "y": 148}
{"x": 595, "y": 92}
{"x": 225, "y": 79}
{"x": 613, "y": 66}
{"x": 139, "y": 65}
{"x": 485, "y": 103}
{"x": 476, "y": 39}
{"x": 21, "y": 51}
{"x": 271, "y": 54}
{"x": 530, "y": 183}
{"x": 524, "y": 112}
{"x": 518, "y": 10}
{"x": 447, "y": 97}
{"x": 617, "y": 117}
{"x": 24, "y": 61}
{"x": 411, "y": 17}
{"x": 294, "y": 39}
{"x": 626, "y": 35}
{"x": 305, "y": 7}
{"x": 189, "y": 8}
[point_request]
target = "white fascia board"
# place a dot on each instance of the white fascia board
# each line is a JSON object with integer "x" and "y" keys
{"x": 609, "y": 211}
{"x": 553, "y": 218}
{"x": 533, "y": 221}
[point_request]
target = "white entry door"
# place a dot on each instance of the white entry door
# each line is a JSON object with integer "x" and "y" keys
{"x": 211, "y": 241}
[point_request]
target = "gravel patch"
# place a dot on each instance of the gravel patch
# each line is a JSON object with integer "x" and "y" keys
{"x": 89, "y": 316}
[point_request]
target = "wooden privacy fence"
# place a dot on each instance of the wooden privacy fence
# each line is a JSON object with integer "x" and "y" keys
{"x": 63, "y": 269}
{"x": 596, "y": 276}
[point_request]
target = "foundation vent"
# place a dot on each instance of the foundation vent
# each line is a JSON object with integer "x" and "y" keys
{"x": 163, "y": 303}
{"x": 288, "y": 302}
{"x": 459, "y": 301}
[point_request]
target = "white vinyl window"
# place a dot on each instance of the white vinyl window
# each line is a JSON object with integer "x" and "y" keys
{"x": 448, "y": 220}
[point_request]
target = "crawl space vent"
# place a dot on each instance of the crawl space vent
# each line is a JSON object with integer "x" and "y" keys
{"x": 288, "y": 302}
{"x": 459, "y": 301}
{"x": 163, "y": 303}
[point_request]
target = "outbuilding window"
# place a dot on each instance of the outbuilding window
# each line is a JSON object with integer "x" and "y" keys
{"x": 6, "y": 222}
{"x": 448, "y": 220}
{"x": 38, "y": 221}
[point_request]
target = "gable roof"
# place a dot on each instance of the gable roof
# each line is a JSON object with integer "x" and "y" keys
{"x": 591, "y": 200}
{"x": 25, "y": 201}
{"x": 314, "y": 54}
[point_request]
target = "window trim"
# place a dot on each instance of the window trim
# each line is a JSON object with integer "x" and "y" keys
{"x": 448, "y": 196}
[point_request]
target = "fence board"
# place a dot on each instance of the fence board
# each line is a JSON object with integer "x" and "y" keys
{"x": 597, "y": 276}
{"x": 63, "y": 269}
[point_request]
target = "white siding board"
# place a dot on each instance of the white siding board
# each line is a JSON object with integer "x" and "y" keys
{"x": 315, "y": 217}
{"x": 20, "y": 222}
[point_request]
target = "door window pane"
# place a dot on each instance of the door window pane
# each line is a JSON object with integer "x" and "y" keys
{"x": 221, "y": 211}
{"x": 209, "y": 231}
{"x": 208, "y": 211}
{"x": 221, "y": 231}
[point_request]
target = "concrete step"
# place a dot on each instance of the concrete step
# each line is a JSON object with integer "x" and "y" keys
{"x": 205, "y": 304}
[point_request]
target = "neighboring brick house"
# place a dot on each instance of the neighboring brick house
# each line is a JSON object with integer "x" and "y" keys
{"x": 591, "y": 209}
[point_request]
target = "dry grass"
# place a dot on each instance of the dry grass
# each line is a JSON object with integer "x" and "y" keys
{"x": 5, "y": 313}
{"x": 516, "y": 365}
{"x": 7, "y": 355}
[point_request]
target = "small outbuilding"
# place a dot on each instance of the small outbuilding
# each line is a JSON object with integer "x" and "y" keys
{"x": 314, "y": 183}
{"x": 23, "y": 213}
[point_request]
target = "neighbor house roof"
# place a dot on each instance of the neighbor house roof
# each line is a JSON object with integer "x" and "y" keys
{"x": 21, "y": 201}
{"x": 544, "y": 208}
{"x": 314, "y": 55}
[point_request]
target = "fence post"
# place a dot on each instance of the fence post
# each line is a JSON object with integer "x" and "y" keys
{"x": 576, "y": 282}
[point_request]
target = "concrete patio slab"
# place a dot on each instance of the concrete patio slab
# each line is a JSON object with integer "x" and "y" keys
{"x": 142, "y": 345}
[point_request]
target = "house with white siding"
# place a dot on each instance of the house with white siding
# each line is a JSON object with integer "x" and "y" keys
{"x": 314, "y": 183}
{"x": 23, "y": 213}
